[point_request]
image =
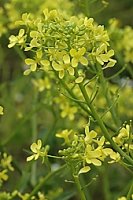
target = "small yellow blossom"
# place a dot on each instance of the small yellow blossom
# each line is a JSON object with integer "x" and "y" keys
{"x": 63, "y": 65}
{"x": 78, "y": 56}
{"x": 3, "y": 175}
{"x": 19, "y": 39}
{"x": 90, "y": 135}
{"x": 42, "y": 84}
{"x": 93, "y": 155}
{"x": 67, "y": 135}
{"x": 102, "y": 56}
{"x": 123, "y": 138}
{"x": 68, "y": 111}
{"x": 38, "y": 151}
{"x": 6, "y": 162}
{"x": 33, "y": 63}
{"x": 1, "y": 110}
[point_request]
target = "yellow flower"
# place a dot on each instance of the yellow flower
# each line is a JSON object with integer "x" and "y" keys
{"x": 77, "y": 56}
{"x": 102, "y": 56}
{"x": 68, "y": 111}
{"x": 42, "y": 84}
{"x": 33, "y": 63}
{"x": 90, "y": 135}
{"x": 63, "y": 65}
{"x": 123, "y": 137}
{"x": 115, "y": 157}
{"x": 38, "y": 151}
{"x": 1, "y": 110}
{"x": 6, "y": 162}
{"x": 3, "y": 175}
{"x": 20, "y": 39}
{"x": 24, "y": 196}
{"x": 67, "y": 135}
{"x": 93, "y": 156}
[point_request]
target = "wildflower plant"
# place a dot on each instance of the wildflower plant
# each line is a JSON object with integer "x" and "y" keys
{"x": 67, "y": 101}
{"x": 68, "y": 49}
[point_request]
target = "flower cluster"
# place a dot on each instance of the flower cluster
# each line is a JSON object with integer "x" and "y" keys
{"x": 15, "y": 194}
{"x": 42, "y": 83}
{"x": 63, "y": 46}
{"x": 128, "y": 44}
{"x": 5, "y": 167}
{"x": 67, "y": 110}
{"x": 124, "y": 138}
{"x": 122, "y": 40}
{"x": 11, "y": 11}
{"x": 86, "y": 150}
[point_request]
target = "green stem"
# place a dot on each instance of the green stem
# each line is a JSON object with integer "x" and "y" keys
{"x": 126, "y": 167}
{"x": 101, "y": 124}
{"x": 106, "y": 93}
{"x": 81, "y": 192}
{"x": 44, "y": 180}
{"x": 81, "y": 105}
{"x": 34, "y": 138}
{"x": 130, "y": 193}
{"x": 70, "y": 92}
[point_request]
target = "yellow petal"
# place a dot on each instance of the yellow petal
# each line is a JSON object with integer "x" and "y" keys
{"x": 83, "y": 61}
{"x": 21, "y": 32}
{"x": 45, "y": 62}
{"x": 84, "y": 170}
{"x": 73, "y": 52}
{"x": 33, "y": 67}
{"x": 27, "y": 72}
{"x": 79, "y": 79}
{"x": 56, "y": 66}
{"x": 29, "y": 61}
{"x": 1, "y": 110}
{"x": 39, "y": 144}
{"x": 71, "y": 71}
{"x": 39, "y": 54}
{"x": 111, "y": 63}
{"x": 96, "y": 162}
{"x": 82, "y": 51}
{"x": 99, "y": 60}
{"x": 66, "y": 59}
{"x": 33, "y": 147}
{"x": 61, "y": 74}
{"x": 30, "y": 158}
{"x": 110, "y": 53}
{"x": 74, "y": 62}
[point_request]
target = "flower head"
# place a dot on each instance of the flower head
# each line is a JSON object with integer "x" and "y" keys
{"x": 78, "y": 56}
{"x": 6, "y": 162}
{"x": 3, "y": 175}
{"x": 38, "y": 151}
{"x": 19, "y": 39}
